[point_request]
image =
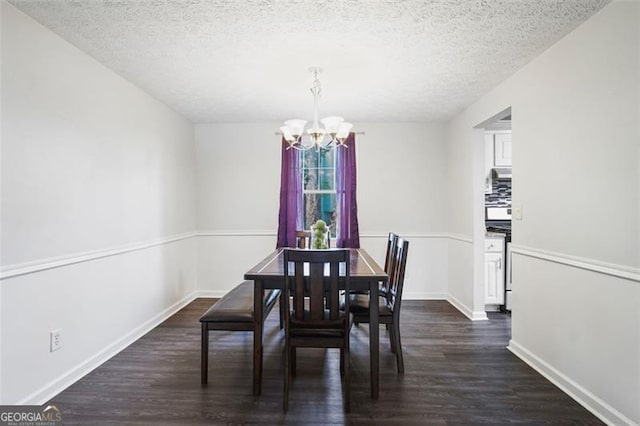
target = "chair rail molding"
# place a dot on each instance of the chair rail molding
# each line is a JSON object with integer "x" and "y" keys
{"x": 269, "y": 233}
{"x": 460, "y": 237}
{"x": 612, "y": 269}
{"x": 16, "y": 270}
{"x": 418, "y": 235}
{"x": 235, "y": 233}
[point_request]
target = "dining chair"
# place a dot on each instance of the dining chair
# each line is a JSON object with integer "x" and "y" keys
{"x": 389, "y": 302}
{"x": 388, "y": 259}
{"x": 312, "y": 281}
{"x": 303, "y": 239}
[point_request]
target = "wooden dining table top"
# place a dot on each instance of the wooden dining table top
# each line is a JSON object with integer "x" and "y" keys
{"x": 362, "y": 267}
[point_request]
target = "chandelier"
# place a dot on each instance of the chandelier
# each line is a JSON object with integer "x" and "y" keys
{"x": 333, "y": 133}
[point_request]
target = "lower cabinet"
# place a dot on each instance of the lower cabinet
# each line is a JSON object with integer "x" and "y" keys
{"x": 494, "y": 271}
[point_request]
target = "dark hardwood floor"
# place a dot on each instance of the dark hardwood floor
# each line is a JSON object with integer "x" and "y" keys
{"x": 458, "y": 372}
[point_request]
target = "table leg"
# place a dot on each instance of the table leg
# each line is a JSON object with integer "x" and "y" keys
{"x": 257, "y": 337}
{"x": 374, "y": 338}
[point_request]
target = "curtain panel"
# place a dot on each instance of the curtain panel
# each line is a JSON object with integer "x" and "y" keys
{"x": 348, "y": 233}
{"x": 290, "y": 215}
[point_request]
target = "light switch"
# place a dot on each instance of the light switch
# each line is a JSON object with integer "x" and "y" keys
{"x": 517, "y": 212}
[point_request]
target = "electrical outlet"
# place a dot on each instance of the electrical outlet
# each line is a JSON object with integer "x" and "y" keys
{"x": 55, "y": 340}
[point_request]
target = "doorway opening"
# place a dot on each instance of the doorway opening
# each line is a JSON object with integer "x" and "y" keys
{"x": 492, "y": 223}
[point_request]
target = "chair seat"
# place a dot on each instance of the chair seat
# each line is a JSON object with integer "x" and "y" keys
{"x": 307, "y": 327}
{"x": 359, "y": 303}
{"x": 237, "y": 305}
{"x": 382, "y": 290}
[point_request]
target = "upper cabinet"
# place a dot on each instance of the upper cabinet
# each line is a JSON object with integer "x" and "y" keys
{"x": 497, "y": 149}
{"x": 497, "y": 153}
{"x": 502, "y": 149}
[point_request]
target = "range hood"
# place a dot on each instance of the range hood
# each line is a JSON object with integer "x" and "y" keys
{"x": 501, "y": 173}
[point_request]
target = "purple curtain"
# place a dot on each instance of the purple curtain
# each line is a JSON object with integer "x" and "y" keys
{"x": 289, "y": 217}
{"x": 348, "y": 234}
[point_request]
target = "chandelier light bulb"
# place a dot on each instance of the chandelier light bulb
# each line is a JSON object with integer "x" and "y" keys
{"x": 343, "y": 131}
{"x": 332, "y": 125}
{"x": 296, "y": 127}
{"x": 286, "y": 134}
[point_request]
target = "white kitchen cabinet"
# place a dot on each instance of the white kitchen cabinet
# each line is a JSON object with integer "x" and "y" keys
{"x": 494, "y": 271}
{"x": 502, "y": 149}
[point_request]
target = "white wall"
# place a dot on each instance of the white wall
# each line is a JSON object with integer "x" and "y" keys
{"x": 401, "y": 173}
{"x": 98, "y": 211}
{"x": 238, "y": 179}
{"x": 576, "y": 165}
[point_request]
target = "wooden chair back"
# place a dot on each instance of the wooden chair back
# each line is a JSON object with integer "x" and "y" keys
{"x": 391, "y": 247}
{"x": 303, "y": 239}
{"x": 316, "y": 274}
{"x": 396, "y": 275}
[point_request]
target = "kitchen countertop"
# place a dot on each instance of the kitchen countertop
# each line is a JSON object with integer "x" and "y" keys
{"x": 494, "y": 235}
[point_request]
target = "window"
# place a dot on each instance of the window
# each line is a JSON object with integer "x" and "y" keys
{"x": 319, "y": 187}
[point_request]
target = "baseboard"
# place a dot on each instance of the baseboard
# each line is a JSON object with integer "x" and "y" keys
{"x": 420, "y": 295}
{"x": 53, "y": 388}
{"x": 466, "y": 311}
{"x": 595, "y": 405}
{"x": 216, "y": 294}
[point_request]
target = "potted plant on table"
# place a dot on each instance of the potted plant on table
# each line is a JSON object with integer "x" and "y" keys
{"x": 319, "y": 231}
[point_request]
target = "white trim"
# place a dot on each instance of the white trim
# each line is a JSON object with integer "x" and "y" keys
{"x": 214, "y": 294}
{"x": 591, "y": 402}
{"x": 16, "y": 270}
{"x": 473, "y": 316}
{"x": 421, "y": 295}
{"x": 264, "y": 233}
{"x": 612, "y": 269}
{"x": 385, "y": 235}
{"x": 443, "y": 235}
{"x": 231, "y": 233}
{"x": 56, "y": 386}
{"x": 57, "y": 262}
{"x": 459, "y": 237}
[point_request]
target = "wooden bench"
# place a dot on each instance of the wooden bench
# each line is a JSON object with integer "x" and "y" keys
{"x": 234, "y": 312}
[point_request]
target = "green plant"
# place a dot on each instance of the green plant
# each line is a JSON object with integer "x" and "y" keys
{"x": 319, "y": 230}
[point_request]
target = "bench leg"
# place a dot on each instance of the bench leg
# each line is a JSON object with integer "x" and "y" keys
{"x": 257, "y": 336}
{"x": 283, "y": 305}
{"x": 204, "y": 354}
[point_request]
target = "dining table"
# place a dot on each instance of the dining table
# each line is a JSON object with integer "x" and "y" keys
{"x": 365, "y": 275}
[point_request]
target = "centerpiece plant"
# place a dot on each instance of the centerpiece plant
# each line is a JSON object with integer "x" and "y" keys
{"x": 319, "y": 232}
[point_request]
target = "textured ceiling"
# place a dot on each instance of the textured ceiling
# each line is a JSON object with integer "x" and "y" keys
{"x": 247, "y": 60}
